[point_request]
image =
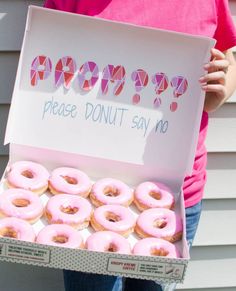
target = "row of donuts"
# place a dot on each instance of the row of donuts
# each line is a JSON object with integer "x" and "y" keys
{"x": 77, "y": 212}
{"x": 103, "y": 241}
{"x": 35, "y": 177}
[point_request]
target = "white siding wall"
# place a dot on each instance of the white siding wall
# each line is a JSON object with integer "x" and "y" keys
{"x": 213, "y": 262}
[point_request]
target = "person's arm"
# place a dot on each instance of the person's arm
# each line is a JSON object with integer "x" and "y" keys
{"x": 219, "y": 83}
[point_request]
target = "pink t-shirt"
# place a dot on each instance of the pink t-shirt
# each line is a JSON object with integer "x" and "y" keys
{"x": 200, "y": 17}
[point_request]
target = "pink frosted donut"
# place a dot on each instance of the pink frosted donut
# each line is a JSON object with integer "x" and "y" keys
{"x": 114, "y": 218}
{"x": 153, "y": 195}
{"x": 111, "y": 191}
{"x": 151, "y": 246}
{"x": 12, "y": 227}
{"x": 69, "y": 181}
{"x": 108, "y": 241}
{"x": 22, "y": 204}
{"x": 60, "y": 235}
{"x": 69, "y": 209}
{"x": 160, "y": 223}
{"x": 29, "y": 176}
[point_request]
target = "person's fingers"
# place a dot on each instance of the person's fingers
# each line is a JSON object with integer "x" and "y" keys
{"x": 218, "y": 76}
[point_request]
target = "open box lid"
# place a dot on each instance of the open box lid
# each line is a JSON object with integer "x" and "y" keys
{"x": 109, "y": 91}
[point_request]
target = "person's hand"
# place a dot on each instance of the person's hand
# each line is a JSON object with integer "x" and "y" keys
{"x": 214, "y": 81}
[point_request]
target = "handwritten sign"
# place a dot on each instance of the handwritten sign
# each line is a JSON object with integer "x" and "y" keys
{"x": 109, "y": 90}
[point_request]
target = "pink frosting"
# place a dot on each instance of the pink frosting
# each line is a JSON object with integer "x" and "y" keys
{"x": 142, "y": 194}
{"x": 38, "y": 180}
{"x": 29, "y": 212}
{"x": 59, "y": 183}
{"x": 46, "y": 235}
{"x": 146, "y": 221}
{"x": 57, "y": 203}
{"x": 126, "y": 218}
{"x": 125, "y": 192}
{"x": 101, "y": 241}
{"x": 23, "y": 229}
{"x": 146, "y": 246}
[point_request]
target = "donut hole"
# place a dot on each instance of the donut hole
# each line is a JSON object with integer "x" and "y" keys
{"x": 21, "y": 202}
{"x": 69, "y": 209}
{"x": 160, "y": 223}
{"x": 112, "y": 217}
{"x": 61, "y": 239}
{"x": 8, "y": 232}
{"x": 155, "y": 195}
{"x": 159, "y": 252}
{"x": 28, "y": 174}
{"x": 70, "y": 180}
{"x": 111, "y": 192}
{"x": 112, "y": 248}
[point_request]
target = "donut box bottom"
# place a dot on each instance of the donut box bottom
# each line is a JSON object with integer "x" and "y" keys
{"x": 156, "y": 268}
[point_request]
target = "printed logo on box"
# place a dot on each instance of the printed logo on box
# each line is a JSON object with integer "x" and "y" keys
{"x": 163, "y": 270}
{"x": 27, "y": 253}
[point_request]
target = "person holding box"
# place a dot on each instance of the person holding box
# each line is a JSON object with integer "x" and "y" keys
{"x": 198, "y": 17}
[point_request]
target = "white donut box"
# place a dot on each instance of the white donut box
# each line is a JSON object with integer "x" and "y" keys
{"x": 103, "y": 134}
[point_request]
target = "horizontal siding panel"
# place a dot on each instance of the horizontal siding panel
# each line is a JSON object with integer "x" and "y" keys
{"x": 217, "y": 223}
{"x": 28, "y": 278}
{"x": 3, "y": 163}
{"x": 232, "y": 5}
{"x": 8, "y": 61}
{"x": 222, "y": 130}
{"x": 12, "y": 23}
{"x": 3, "y": 121}
{"x": 211, "y": 267}
{"x": 221, "y": 175}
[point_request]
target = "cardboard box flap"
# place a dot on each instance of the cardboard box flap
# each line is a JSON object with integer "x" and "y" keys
{"x": 108, "y": 90}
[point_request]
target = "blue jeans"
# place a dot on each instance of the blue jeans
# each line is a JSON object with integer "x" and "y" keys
{"x": 78, "y": 281}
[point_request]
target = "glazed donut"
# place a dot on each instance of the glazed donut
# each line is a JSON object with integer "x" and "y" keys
{"x": 88, "y": 68}
{"x": 60, "y": 235}
{"x": 69, "y": 209}
{"x": 29, "y": 176}
{"x": 151, "y": 246}
{"x": 12, "y": 227}
{"x": 108, "y": 241}
{"x": 22, "y": 204}
{"x": 111, "y": 191}
{"x": 69, "y": 181}
{"x": 113, "y": 218}
{"x": 160, "y": 223}
{"x": 153, "y": 195}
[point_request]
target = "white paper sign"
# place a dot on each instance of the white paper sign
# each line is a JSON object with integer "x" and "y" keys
{"x": 109, "y": 90}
